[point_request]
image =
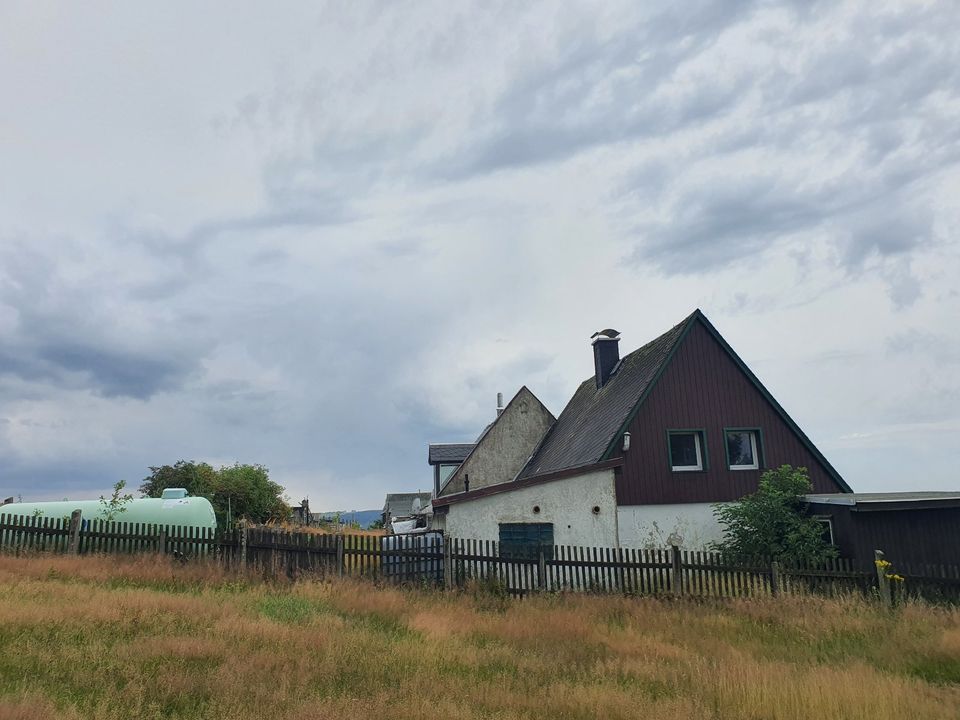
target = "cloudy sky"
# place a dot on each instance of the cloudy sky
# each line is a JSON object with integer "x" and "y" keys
{"x": 320, "y": 237}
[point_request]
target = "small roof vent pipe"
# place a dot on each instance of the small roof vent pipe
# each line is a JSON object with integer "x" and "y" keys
{"x": 499, "y": 403}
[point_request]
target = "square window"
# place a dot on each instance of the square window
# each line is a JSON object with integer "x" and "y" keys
{"x": 743, "y": 450}
{"x": 526, "y": 540}
{"x": 686, "y": 450}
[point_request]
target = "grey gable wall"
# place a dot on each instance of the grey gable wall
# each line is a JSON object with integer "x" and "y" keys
{"x": 506, "y": 446}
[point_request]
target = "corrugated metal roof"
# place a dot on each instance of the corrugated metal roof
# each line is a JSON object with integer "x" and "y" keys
{"x": 870, "y": 498}
{"x": 590, "y": 420}
{"x": 448, "y": 452}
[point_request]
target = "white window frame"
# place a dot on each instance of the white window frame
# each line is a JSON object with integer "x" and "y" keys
{"x": 754, "y": 446}
{"x": 696, "y": 444}
{"x": 829, "y": 522}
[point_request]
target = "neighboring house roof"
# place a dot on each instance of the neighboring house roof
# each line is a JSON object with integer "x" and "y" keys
{"x": 590, "y": 426}
{"x": 448, "y": 453}
{"x": 590, "y": 420}
{"x": 400, "y": 505}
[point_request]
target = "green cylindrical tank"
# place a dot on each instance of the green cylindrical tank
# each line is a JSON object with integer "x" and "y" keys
{"x": 172, "y": 509}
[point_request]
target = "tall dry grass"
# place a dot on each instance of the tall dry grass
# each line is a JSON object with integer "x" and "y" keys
{"x": 99, "y": 637}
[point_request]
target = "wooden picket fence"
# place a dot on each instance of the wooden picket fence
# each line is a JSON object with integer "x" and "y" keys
{"x": 455, "y": 562}
{"x": 76, "y": 535}
{"x": 651, "y": 572}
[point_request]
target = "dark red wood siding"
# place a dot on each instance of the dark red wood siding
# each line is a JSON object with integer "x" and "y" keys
{"x": 906, "y": 536}
{"x": 703, "y": 387}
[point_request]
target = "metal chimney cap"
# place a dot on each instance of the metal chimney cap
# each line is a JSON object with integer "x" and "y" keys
{"x": 608, "y": 334}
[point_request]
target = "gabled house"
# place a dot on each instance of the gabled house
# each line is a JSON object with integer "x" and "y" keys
{"x": 642, "y": 451}
{"x": 402, "y": 507}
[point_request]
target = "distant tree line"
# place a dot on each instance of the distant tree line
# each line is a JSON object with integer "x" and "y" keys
{"x": 235, "y": 491}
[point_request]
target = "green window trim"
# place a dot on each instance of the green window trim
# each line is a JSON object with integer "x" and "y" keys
{"x": 704, "y": 449}
{"x": 761, "y": 454}
{"x": 526, "y": 540}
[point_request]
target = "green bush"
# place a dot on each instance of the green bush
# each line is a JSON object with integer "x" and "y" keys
{"x": 773, "y": 522}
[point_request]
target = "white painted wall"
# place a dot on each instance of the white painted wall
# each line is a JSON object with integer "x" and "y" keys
{"x": 691, "y": 526}
{"x": 566, "y": 503}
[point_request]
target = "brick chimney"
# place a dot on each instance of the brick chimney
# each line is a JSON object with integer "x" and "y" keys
{"x": 606, "y": 354}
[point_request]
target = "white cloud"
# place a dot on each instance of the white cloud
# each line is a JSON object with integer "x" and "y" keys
{"x": 320, "y": 238}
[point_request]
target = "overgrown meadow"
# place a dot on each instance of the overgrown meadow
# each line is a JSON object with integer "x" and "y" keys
{"x": 108, "y": 637}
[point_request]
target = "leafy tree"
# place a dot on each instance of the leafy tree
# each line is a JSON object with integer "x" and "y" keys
{"x": 198, "y": 479}
{"x": 235, "y": 491}
{"x": 772, "y": 521}
{"x": 117, "y": 503}
{"x": 250, "y": 493}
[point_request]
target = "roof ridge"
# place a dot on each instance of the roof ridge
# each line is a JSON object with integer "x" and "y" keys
{"x": 636, "y": 371}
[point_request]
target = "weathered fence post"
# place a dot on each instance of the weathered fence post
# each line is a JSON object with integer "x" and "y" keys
{"x": 774, "y": 578}
{"x": 162, "y": 540}
{"x": 73, "y": 546}
{"x": 243, "y": 545}
{"x": 541, "y": 571}
{"x": 340, "y": 556}
{"x": 883, "y": 582}
{"x": 676, "y": 573}
{"x": 447, "y": 563}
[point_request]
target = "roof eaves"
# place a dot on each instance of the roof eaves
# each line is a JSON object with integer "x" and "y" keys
{"x": 829, "y": 500}
{"x": 442, "y": 461}
{"x": 887, "y": 498}
{"x": 524, "y": 482}
{"x": 831, "y": 471}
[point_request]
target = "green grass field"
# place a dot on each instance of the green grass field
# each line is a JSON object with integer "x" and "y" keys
{"x": 103, "y": 638}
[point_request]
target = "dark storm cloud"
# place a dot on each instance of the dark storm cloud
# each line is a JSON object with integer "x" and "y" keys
{"x": 53, "y": 479}
{"x": 720, "y": 221}
{"x": 75, "y": 336}
{"x": 598, "y": 92}
{"x": 110, "y": 372}
{"x": 718, "y": 225}
{"x": 310, "y": 210}
{"x": 885, "y": 93}
{"x": 885, "y": 232}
